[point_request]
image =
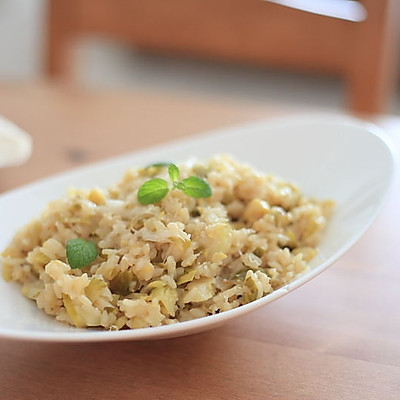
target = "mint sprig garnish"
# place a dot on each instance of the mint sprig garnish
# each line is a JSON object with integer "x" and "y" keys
{"x": 156, "y": 189}
{"x": 159, "y": 164}
{"x": 196, "y": 187}
{"x": 173, "y": 172}
{"x": 81, "y": 252}
{"x": 153, "y": 191}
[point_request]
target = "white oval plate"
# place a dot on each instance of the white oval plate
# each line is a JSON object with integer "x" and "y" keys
{"x": 332, "y": 157}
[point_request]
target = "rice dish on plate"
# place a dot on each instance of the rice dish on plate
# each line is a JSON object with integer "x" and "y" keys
{"x": 179, "y": 258}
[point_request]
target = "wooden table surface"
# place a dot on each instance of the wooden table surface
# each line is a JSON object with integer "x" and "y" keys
{"x": 338, "y": 337}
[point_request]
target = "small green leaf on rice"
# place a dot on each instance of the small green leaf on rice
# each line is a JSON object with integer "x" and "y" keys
{"x": 156, "y": 189}
{"x": 173, "y": 172}
{"x": 80, "y": 252}
{"x": 196, "y": 187}
{"x": 159, "y": 164}
{"x": 153, "y": 191}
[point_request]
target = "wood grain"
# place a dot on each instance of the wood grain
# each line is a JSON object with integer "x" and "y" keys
{"x": 72, "y": 126}
{"x": 338, "y": 337}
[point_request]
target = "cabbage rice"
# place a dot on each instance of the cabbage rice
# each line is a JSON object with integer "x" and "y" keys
{"x": 176, "y": 260}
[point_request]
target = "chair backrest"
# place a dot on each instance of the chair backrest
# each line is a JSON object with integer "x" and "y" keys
{"x": 253, "y": 31}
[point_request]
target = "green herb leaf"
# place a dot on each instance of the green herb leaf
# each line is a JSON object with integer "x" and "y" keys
{"x": 153, "y": 191}
{"x": 173, "y": 172}
{"x": 179, "y": 185}
{"x": 159, "y": 165}
{"x": 195, "y": 187}
{"x": 81, "y": 252}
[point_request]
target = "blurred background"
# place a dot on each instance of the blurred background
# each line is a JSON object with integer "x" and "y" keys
{"x": 328, "y": 54}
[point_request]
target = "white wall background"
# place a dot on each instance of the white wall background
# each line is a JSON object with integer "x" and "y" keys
{"x": 22, "y": 33}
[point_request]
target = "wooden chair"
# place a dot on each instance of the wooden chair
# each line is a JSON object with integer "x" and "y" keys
{"x": 244, "y": 31}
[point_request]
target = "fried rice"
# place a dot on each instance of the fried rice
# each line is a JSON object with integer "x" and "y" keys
{"x": 179, "y": 259}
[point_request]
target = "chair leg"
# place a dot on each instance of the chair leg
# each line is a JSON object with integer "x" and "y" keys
{"x": 61, "y": 32}
{"x": 372, "y": 76}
